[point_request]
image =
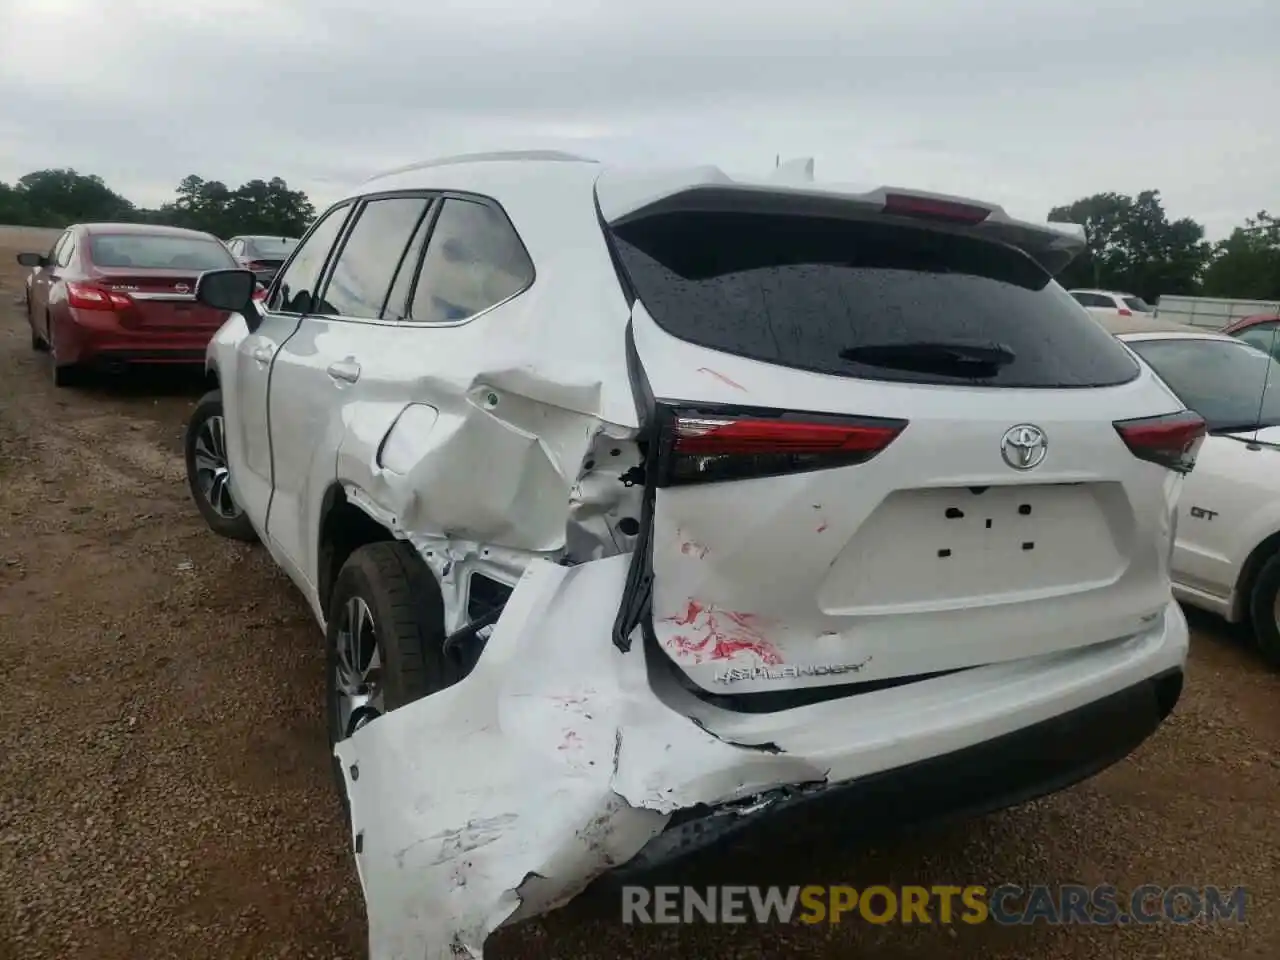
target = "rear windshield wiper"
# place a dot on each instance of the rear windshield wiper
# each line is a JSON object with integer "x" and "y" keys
{"x": 948, "y": 358}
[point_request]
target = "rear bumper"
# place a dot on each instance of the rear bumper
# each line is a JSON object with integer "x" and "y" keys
{"x": 1011, "y": 769}
{"x": 596, "y": 764}
{"x": 101, "y": 341}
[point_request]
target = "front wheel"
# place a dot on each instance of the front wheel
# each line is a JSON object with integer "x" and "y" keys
{"x": 385, "y": 639}
{"x": 208, "y": 472}
{"x": 1264, "y": 611}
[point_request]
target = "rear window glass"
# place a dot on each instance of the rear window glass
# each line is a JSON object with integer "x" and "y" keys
{"x": 271, "y": 247}
{"x": 158, "y": 252}
{"x": 1138, "y": 305}
{"x": 1232, "y": 385}
{"x": 801, "y": 292}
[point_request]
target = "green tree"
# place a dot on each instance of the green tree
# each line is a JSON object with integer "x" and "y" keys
{"x": 13, "y": 207}
{"x": 1132, "y": 245}
{"x": 259, "y": 206}
{"x": 58, "y": 197}
{"x": 1246, "y": 265}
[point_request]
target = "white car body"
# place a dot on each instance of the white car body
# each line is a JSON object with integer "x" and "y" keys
{"x": 587, "y": 735}
{"x": 1111, "y": 303}
{"x": 1229, "y": 512}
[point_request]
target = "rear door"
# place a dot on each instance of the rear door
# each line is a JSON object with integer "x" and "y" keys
{"x": 324, "y": 369}
{"x": 883, "y": 451}
{"x": 249, "y": 436}
{"x": 43, "y": 278}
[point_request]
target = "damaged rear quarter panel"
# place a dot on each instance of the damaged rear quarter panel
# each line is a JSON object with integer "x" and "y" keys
{"x": 553, "y": 758}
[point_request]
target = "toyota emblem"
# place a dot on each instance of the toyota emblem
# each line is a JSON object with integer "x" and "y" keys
{"x": 1024, "y": 446}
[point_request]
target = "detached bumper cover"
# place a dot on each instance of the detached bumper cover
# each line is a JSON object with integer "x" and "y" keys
{"x": 561, "y": 758}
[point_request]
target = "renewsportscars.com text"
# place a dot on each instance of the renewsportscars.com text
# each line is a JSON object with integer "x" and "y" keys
{"x": 1006, "y": 904}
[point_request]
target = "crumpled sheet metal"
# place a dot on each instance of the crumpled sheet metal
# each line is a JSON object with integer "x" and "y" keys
{"x": 503, "y": 796}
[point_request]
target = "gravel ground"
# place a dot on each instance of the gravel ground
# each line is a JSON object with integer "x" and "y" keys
{"x": 164, "y": 781}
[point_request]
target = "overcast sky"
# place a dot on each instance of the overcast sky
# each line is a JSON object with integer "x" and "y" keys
{"x": 1028, "y": 103}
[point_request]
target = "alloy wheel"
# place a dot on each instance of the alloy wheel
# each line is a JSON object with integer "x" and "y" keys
{"x": 358, "y": 684}
{"x": 212, "y": 472}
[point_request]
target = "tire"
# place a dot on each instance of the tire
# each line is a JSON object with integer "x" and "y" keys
{"x": 64, "y": 374}
{"x": 207, "y": 472}
{"x": 403, "y": 600}
{"x": 1264, "y": 611}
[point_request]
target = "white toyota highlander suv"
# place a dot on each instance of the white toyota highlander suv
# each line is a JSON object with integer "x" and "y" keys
{"x": 640, "y": 508}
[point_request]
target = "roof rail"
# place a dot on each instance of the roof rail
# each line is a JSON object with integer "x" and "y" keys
{"x": 492, "y": 156}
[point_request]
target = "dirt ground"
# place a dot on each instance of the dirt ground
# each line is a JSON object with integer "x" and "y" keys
{"x": 164, "y": 779}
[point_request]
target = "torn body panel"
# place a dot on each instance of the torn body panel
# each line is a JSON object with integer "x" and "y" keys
{"x": 560, "y": 757}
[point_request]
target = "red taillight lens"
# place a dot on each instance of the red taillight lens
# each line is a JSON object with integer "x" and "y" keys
{"x": 927, "y": 208}
{"x": 260, "y": 293}
{"x": 86, "y": 296}
{"x": 701, "y": 446}
{"x": 1171, "y": 441}
{"x": 1125, "y": 312}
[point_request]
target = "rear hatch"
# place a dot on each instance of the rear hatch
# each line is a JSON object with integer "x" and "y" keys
{"x": 881, "y": 448}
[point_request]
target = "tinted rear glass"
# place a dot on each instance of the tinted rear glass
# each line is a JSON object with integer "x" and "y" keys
{"x": 158, "y": 252}
{"x": 1137, "y": 305}
{"x": 799, "y": 291}
{"x": 1232, "y": 385}
{"x": 270, "y": 248}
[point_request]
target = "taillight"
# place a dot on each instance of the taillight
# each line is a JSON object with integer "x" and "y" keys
{"x": 1171, "y": 441}
{"x": 928, "y": 208}
{"x": 1125, "y": 312}
{"x": 259, "y": 292}
{"x": 86, "y": 296}
{"x": 708, "y": 445}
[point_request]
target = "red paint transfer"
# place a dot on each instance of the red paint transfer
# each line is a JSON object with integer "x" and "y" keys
{"x": 719, "y": 635}
{"x": 722, "y": 378}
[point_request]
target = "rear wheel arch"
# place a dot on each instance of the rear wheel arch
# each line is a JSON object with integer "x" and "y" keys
{"x": 344, "y": 528}
{"x": 1266, "y": 548}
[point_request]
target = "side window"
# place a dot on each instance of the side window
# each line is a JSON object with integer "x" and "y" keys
{"x": 474, "y": 260}
{"x": 1093, "y": 300}
{"x": 296, "y": 289}
{"x": 56, "y": 250}
{"x": 65, "y": 249}
{"x": 374, "y": 247}
{"x": 1263, "y": 336}
{"x": 397, "y": 307}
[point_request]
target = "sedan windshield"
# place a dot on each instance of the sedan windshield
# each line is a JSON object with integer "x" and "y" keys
{"x": 1234, "y": 386}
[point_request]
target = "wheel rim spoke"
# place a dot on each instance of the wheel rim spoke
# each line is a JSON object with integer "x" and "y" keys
{"x": 213, "y": 475}
{"x": 358, "y": 668}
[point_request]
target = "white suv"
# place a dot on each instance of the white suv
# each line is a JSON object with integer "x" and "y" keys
{"x": 639, "y": 508}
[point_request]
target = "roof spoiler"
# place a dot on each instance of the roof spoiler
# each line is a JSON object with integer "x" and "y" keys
{"x": 790, "y": 190}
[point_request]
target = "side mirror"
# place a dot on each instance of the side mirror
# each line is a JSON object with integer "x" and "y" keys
{"x": 33, "y": 260}
{"x": 230, "y": 290}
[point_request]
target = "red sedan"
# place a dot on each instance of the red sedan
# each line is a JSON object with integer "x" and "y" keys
{"x": 108, "y": 295}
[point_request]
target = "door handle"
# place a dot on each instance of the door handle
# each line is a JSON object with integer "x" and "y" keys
{"x": 263, "y": 353}
{"x": 348, "y": 371}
